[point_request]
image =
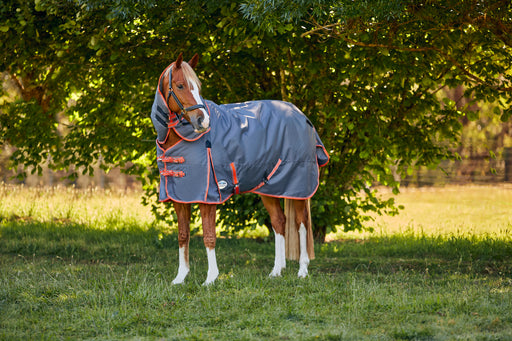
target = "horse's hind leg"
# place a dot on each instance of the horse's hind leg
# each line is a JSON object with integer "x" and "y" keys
{"x": 302, "y": 221}
{"x": 183, "y": 213}
{"x": 278, "y": 221}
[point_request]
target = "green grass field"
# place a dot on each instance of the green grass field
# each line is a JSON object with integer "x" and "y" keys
{"x": 94, "y": 265}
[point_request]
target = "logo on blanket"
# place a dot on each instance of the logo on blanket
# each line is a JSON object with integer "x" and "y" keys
{"x": 223, "y": 184}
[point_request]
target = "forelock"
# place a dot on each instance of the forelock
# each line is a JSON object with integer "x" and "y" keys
{"x": 190, "y": 75}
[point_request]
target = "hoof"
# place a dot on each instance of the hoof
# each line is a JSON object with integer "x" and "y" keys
{"x": 182, "y": 274}
{"x": 178, "y": 281}
{"x": 276, "y": 272}
{"x": 212, "y": 276}
{"x": 303, "y": 267}
{"x": 302, "y": 273}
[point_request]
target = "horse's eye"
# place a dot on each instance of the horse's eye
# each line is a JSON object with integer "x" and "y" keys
{"x": 180, "y": 86}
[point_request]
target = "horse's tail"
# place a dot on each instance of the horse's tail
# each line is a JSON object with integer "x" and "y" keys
{"x": 292, "y": 234}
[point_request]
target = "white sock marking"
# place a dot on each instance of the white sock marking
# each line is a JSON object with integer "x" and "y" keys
{"x": 304, "y": 258}
{"x": 213, "y": 271}
{"x": 280, "y": 257}
{"x": 183, "y": 268}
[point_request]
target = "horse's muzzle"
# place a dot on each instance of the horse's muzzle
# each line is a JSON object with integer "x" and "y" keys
{"x": 200, "y": 121}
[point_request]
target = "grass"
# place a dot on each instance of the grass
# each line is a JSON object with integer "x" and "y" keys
{"x": 74, "y": 265}
{"x": 447, "y": 211}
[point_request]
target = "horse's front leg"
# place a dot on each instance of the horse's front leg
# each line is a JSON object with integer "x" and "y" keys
{"x": 183, "y": 213}
{"x": 209, "y": 238}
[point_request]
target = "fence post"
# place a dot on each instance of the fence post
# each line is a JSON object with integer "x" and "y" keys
{"x": 507, "y": 156}
{"x": 50, "y": 178}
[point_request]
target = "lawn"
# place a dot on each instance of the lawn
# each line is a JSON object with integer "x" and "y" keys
{"x": 94, "y": 265}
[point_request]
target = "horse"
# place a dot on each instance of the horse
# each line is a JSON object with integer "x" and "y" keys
{"x": 199, "y": 164}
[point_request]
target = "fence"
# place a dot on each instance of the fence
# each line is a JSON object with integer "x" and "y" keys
{"x": 478, "y": 169}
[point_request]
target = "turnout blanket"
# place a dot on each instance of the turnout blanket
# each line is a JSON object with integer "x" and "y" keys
{"x": 266, "y": 147}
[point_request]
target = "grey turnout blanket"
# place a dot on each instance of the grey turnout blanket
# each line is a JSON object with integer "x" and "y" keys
{"x": 266, "y": 147}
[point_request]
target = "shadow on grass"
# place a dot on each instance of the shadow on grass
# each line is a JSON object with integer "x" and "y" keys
{"x": 128, "y": 244}
{"x": 420, "y": 253}
{"x": 382, "y": 254}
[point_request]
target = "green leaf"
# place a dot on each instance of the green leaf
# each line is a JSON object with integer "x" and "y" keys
{"x": 472, "y": 115}
{"x": 506, "y": 115}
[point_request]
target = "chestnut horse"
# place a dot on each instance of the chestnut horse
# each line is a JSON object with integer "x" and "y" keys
{"x": 179, "y": 95}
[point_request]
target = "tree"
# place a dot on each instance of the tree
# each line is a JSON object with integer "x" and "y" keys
{"x": 390, "y": 59}
{"x": 368, "y": 76}
{"x": 467, "y": 41}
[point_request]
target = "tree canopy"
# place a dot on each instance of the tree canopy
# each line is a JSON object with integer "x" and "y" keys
{"x": 369, "y": 74}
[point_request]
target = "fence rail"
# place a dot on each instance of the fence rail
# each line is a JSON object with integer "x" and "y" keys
{"x": 479, "y": 169}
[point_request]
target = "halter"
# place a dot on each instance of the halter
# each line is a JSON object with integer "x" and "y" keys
{"x": 183, "y": 110}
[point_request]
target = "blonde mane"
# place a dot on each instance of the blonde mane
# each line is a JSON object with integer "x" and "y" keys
{"x": 189, "y": 74}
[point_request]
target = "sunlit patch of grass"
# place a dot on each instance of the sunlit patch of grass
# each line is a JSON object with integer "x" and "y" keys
{"x": 93, "y": 207}
{"x": 448, "y": 211}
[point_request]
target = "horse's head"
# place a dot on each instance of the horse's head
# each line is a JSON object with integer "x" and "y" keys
{"x": 183, "y": 93}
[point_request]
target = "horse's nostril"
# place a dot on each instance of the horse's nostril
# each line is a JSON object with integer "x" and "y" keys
{"x": 200, "y": 121}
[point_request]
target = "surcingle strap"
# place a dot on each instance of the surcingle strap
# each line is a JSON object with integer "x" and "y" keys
{"x": 172, "y": 173}
{"x": 171, "y": 159}
{"x": 235, "y": 178}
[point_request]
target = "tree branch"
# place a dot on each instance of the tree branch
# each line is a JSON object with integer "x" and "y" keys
{"x": 447, "y": 57}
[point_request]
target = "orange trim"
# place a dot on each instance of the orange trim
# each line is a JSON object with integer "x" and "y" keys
{"x": 255, "y": 190}
{"x": 207, "y": 174}
{"x": 275, "y": 169}
{"x": 166, "y": 186}
{"x": 200, "y": 135}
{"x": 258, "y": 187}
{"x": 159, "y": 81}
{"x": 159, "y": 145}
{"x": 235, "y": 179}
{"x": 173, "y": 122}
{"x": 328, "y": 156}
{"x": 285, "y": 196}
{"x": 264, "y": 182}
{"x": 192, "y": 139}
{"x": 169, "y": 198}
{"x": 166, "y": 137}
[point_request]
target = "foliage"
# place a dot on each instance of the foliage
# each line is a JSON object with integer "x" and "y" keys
{"x": 485, "y": 136}
{"x": 368, "y": 74}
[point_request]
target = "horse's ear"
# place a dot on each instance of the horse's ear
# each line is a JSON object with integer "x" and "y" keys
{"x": 179, "y": 60}
{"x": 193, "y": 61}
